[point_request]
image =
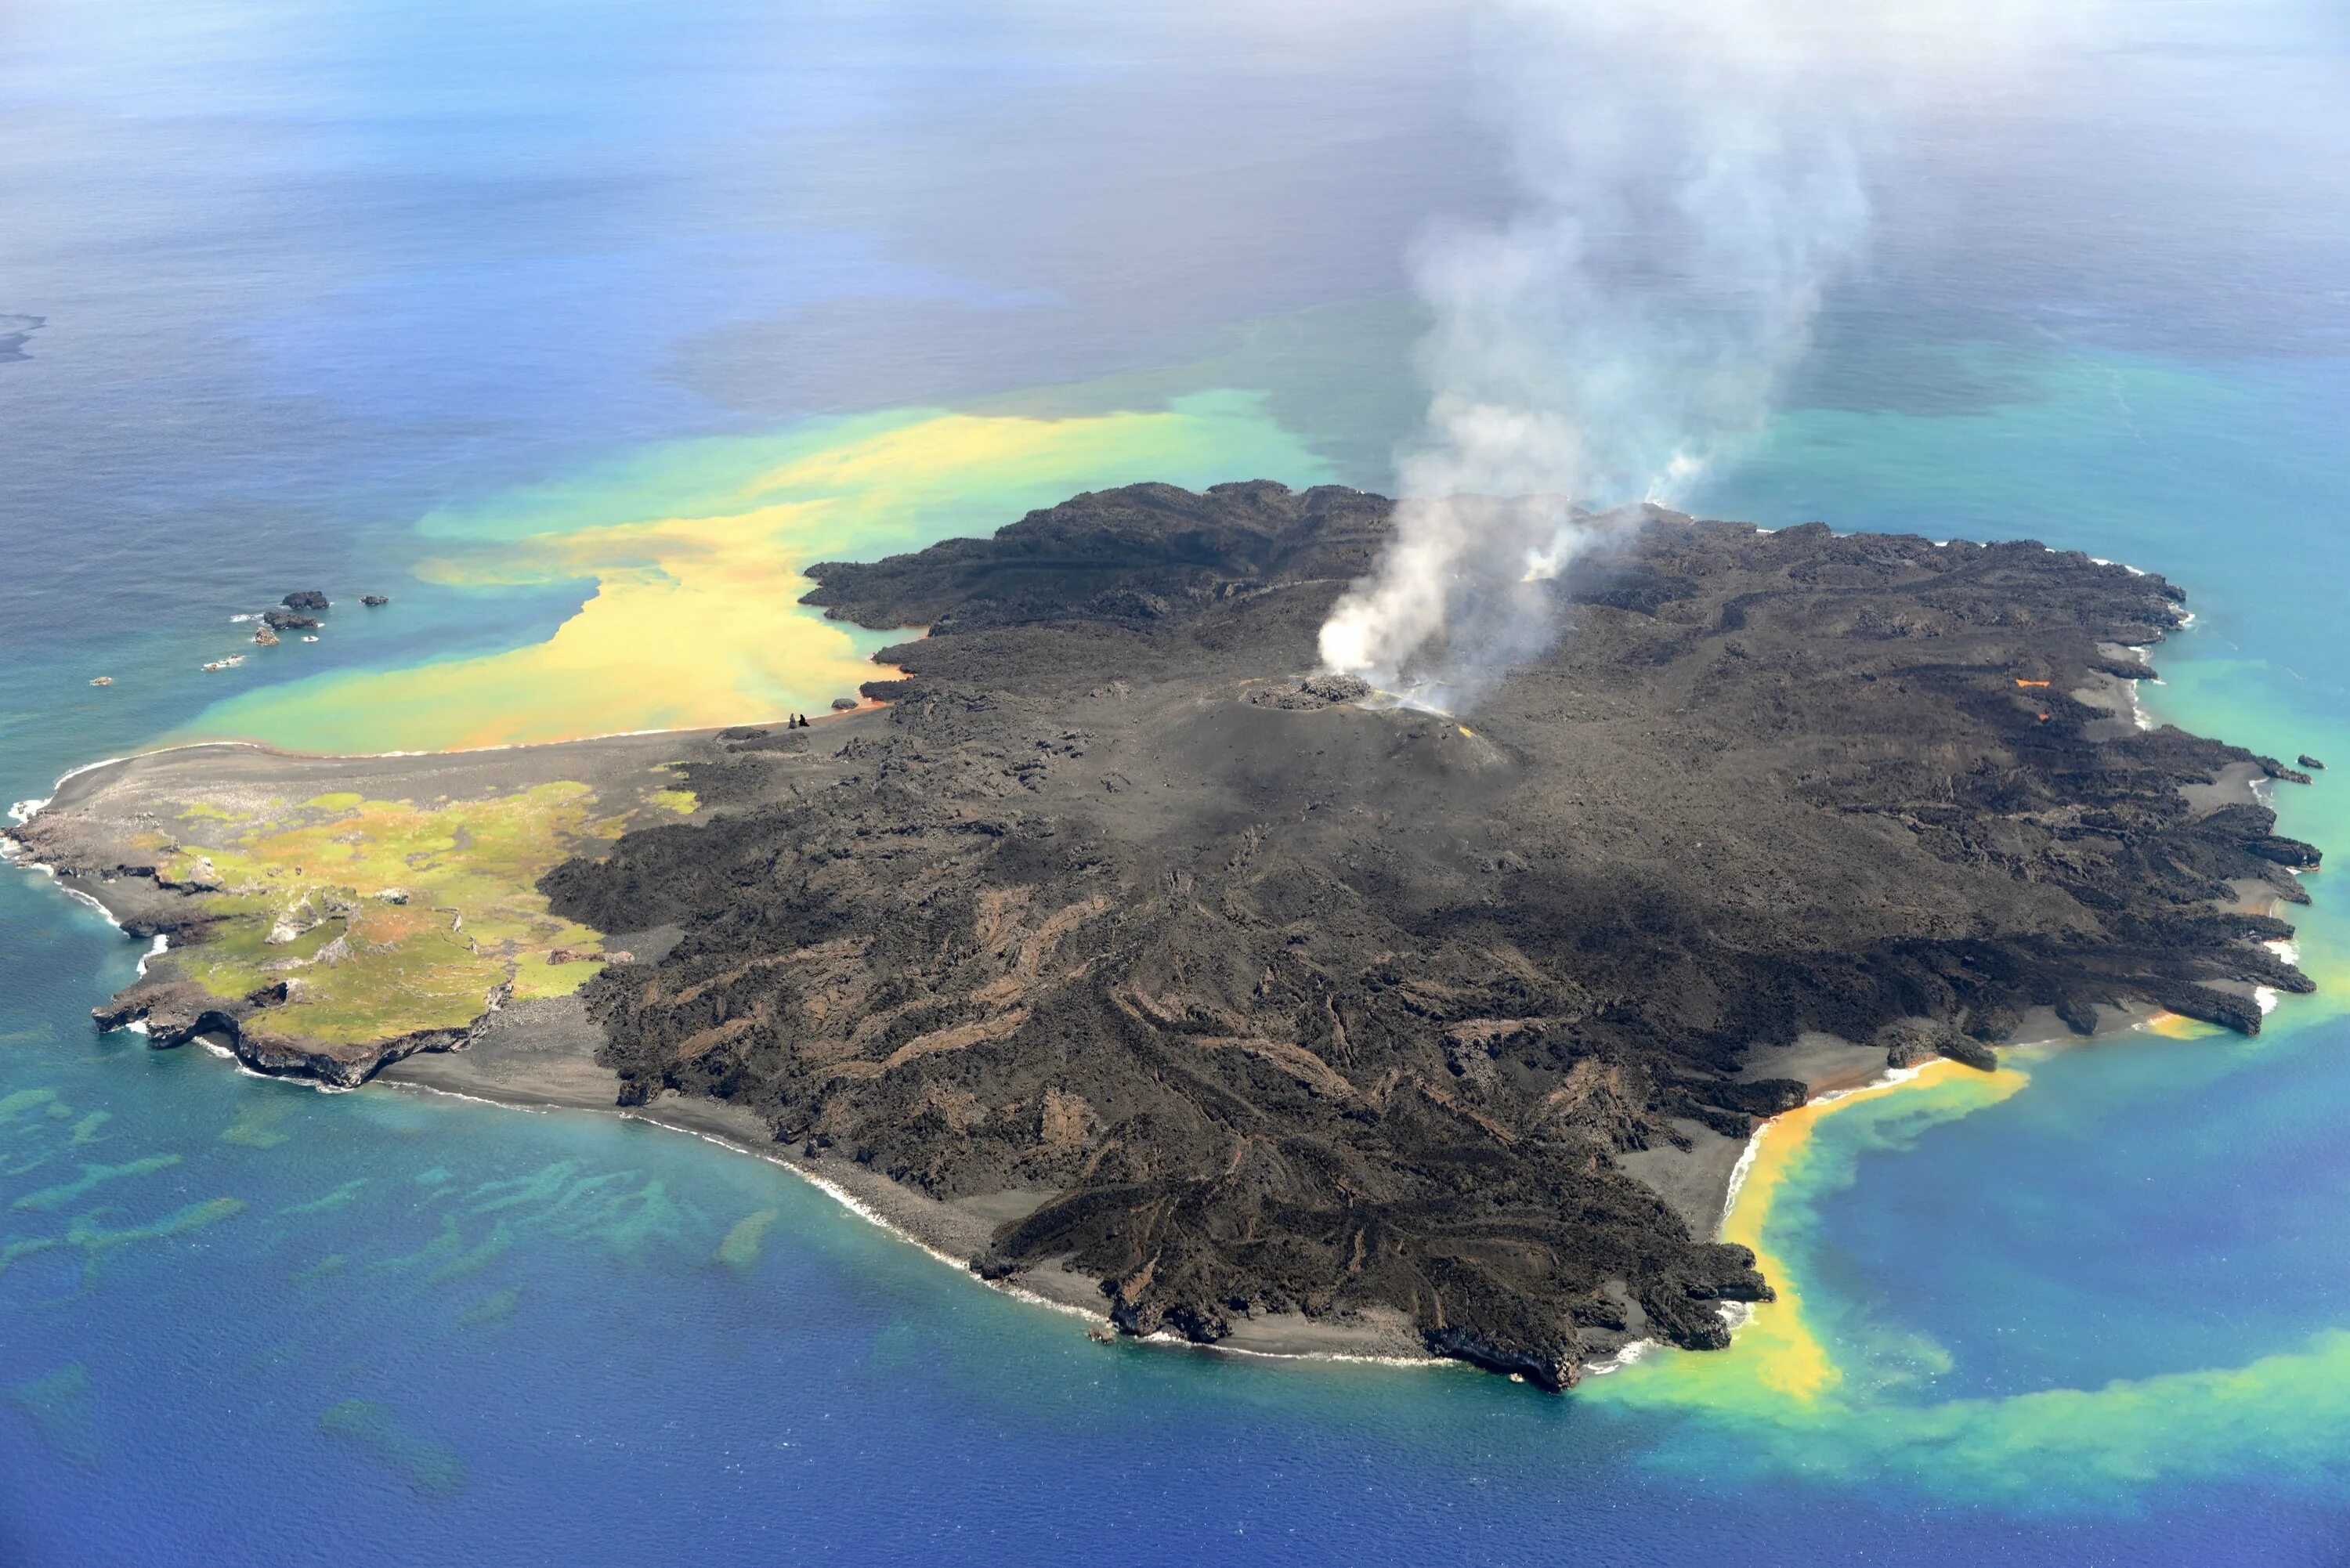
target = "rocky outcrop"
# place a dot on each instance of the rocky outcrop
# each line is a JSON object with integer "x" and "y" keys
{"x": 290, "y": 621}
{"x": 308, "y": 600}
{"x": 374, "y": 601}
{"x": 1910, "y": 1041}
{"x": 1314, "y": 691}
{"x": 174, "y": 1011}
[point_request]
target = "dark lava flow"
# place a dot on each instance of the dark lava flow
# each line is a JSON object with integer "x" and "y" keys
{"x": 1274, "y": 1004}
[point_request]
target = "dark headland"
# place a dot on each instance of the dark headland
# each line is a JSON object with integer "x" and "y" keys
{"x": 1157, "y": 976}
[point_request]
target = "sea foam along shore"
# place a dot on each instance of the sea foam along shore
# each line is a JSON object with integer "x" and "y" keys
{"x": 11, "y": 852}
{"x": 1074, "y": 1294}
{"x": 950, "y": 1237}
{"x": 939, "y": 1232}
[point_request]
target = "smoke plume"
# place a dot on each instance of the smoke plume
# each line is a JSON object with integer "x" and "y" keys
{"x": 1686, "y": 184}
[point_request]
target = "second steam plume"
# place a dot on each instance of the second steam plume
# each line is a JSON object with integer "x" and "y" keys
{"x": 1686, "y": 184}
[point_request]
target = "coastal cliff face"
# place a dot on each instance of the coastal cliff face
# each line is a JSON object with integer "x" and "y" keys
{"x": 1274, "y": 1001}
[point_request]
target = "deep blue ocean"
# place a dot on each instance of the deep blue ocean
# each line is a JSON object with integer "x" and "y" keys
{"x": 281, "y": 284}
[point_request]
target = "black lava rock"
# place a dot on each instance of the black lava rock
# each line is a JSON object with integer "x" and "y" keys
{"x": 1253, "y": 1011}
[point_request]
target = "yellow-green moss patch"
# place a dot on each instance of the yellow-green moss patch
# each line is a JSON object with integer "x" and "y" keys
{"x": 384, "y": 918}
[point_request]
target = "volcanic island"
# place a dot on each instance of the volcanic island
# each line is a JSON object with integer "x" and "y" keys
{"x": 1110, "y": 948}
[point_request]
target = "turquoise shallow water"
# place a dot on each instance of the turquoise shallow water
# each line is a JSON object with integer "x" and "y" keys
{"x": 309, "y": 279}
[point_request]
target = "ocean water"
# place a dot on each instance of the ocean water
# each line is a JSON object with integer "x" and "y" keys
{"x": 580, "y": 329}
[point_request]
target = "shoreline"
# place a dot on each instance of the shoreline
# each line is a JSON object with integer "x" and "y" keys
{"x": 1702, "y": 1176}
{"x": 900, "y": 1211}
{"x": 872, "y": 1196}
{"x": 938, "y": 1229}
{"x": 21, "y": 813}
{"x": 1704, "y": 1183}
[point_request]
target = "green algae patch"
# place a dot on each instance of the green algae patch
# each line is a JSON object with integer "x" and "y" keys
{"x": 447, "y": 1244}
{"x": 93, "y": 1176}
{"x": 429, "y": 1469}
{"x": 385, "y": 917}
{"x": 258, "y": 1124}
{"x": 473, "y": 1259}
{"x": 14, "y": 1104}
{"x": 681, "y": 801}
{"x": 94, "y": 1238}
{"x": 25, "y": 1248}
{"x": 335, "y": 1199}
{"x": 491, "y": 1309}
{"x": 63, "y": 1408}
{"x": 740, "y": 1249}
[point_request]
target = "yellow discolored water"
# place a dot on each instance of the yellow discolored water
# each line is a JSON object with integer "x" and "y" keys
{"x": 696, "y": 554}
{"x": 1779, "y": 1356}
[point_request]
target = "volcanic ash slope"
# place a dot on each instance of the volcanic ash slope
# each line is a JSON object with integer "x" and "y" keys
{"x": 1249, "y": 1003}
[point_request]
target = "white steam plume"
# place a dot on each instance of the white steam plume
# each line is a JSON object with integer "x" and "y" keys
{"x": 1687, "y": 185}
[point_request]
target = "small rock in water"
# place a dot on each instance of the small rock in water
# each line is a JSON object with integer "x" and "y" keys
{"x": 102, "y": 681}
{"x": 374, "y": 601}
{"x": 289, "y": 620}
{"x": 2309, "y": 761}
{"x": 309, "y": 639}
{"x": 266, "y": 637}
{"x": 843, "y": 705}
{"x": 309, "y": 600}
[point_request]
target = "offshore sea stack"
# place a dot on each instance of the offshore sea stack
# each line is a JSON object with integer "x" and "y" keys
{"x": 1261, "y": 997}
